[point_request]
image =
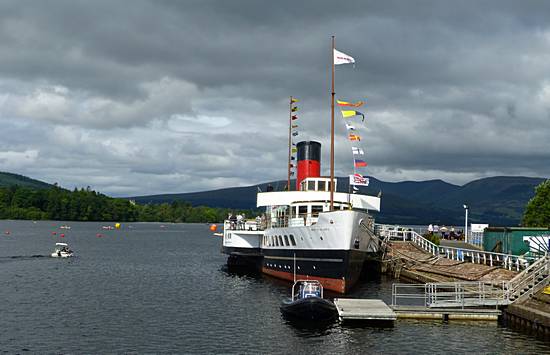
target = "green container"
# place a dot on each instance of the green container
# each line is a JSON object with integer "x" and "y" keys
{"x": 509, "y": 240}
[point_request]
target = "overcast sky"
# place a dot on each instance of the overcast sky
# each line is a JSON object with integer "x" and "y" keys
{"x": 143, "y": 97}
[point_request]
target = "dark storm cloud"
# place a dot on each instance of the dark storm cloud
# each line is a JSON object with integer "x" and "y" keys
{"x": 168, "y": 96}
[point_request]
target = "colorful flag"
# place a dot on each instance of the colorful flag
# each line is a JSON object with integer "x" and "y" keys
{"x": 357, "y": 151}
{"x": 350, "y": 113}
{"x": 355, "y": 189}
{"x": 358, "y": 179}
{"x": 294, "y": 126}
{"x": 294, "y": 117}
{"x": 342, "y": 58}
{"x": 292, "y": 158}
{"x": 292, "y": 173}
{"x": 291, "y": 165}
{"x": 350, "y": 127}
{"x": 360, "y": 163}
{"x": 294, "y": 134}
{"x": 294, "y": 150}
{"x": 293, "y": 100}
{"x": 345, "y": 103}
{"x": 294, "y": 109}
{"x": 354, "y": 137}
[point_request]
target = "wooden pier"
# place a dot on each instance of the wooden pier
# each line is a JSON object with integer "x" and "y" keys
{"x": 364, "y": 310}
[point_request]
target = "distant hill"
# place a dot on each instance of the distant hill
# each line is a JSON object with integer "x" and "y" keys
{"x": 9, "y": 179}
{"x": 496, "y": 200}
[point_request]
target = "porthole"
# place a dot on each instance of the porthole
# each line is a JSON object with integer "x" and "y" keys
{"x": 292, "y": 240}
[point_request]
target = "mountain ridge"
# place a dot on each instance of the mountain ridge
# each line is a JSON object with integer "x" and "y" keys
{"x": 497, "y": 200}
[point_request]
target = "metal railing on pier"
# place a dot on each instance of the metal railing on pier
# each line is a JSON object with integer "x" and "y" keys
{"x": 451, "y": 294}
{"x": 475, "y": 293}
{"x": 507, "y": 261}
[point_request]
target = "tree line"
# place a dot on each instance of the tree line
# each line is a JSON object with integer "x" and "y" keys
{"x": 18, "y": 202}
{"x": 537, "y": 211}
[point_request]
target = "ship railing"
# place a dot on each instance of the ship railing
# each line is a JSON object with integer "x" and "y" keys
{"x": 246, "y": 225}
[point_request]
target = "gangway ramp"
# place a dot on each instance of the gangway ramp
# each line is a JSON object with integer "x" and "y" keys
{"x": 351, "y": 309}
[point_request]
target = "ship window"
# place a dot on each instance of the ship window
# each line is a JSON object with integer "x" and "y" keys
{"x": 311, "y": 185}
{"x": 328, "y": 185}
{"x": 286, "y": 241}
{"x": 272, "y": 242}
{"x": 321, "y": 185}
{"x": 280, "y": 240}
{"x": 292, "y": 240}
{"x": 302, "y": 211}
{"x": 276, "y": 241}
{"x": 315, "y": 209}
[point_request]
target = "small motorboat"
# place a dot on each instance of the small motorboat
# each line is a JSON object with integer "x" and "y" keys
{"x": 62, "y": 251}
{"x": 307, "y": 303}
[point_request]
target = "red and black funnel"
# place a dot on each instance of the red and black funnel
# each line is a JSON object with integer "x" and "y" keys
{"x": 309, "y": 161}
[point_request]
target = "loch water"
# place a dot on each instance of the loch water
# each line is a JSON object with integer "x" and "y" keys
{"x": 164, "y": 288}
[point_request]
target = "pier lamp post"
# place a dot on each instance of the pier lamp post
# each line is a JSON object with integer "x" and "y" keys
{"x": 465, "y": 223}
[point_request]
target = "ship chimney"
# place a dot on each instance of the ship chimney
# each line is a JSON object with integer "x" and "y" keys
{"x": 309, "y": 161}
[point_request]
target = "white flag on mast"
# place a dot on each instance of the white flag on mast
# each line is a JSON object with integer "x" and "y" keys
{"x": 342, "y": 58}
{"x": 357, "y": 151}
{"x": 350, "y": 127}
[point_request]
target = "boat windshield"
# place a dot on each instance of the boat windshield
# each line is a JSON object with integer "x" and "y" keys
{"x": 310, "y": 290}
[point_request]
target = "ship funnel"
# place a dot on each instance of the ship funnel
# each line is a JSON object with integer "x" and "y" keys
{"x": 309, "y": 161}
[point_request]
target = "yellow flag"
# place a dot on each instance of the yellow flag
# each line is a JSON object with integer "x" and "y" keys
{"x": 350, "y": 113}
{"x": 293, "y": 100}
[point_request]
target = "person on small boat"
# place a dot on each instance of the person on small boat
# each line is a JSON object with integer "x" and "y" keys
{"x": 233, "y": 221}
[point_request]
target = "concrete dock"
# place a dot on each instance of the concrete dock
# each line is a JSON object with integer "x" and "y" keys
{"x": 364, "y": 309}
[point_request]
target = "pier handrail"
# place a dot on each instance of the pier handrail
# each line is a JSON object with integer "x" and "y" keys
{"x": 530, "y": 280}
{"x": 452, "y": 294}
{"x": 507, "y": 261}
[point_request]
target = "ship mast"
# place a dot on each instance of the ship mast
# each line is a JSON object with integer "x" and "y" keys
{"x": 289, "y": 142}
{"x": 332, "y": 133}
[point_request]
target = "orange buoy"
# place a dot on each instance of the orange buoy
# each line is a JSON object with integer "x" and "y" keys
{"x": 213, "y": 227}
{"x": 62, "y": 235}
